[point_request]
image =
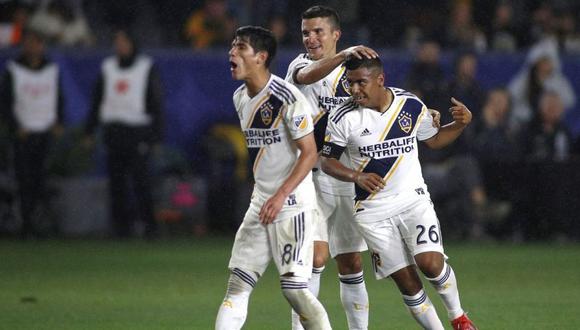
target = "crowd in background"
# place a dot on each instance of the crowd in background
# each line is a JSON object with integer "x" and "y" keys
{"x": 519, "y": 133}
{"x": 500, "y": 25}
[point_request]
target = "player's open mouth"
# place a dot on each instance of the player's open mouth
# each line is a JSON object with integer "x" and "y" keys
{"x": 233, "y": 65}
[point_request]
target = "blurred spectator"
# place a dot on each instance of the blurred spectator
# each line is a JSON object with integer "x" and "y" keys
{"x": 568, "y": 34}
{"x": 502, "y": 33}
{"x": 495, "y": 141}
{"x": 542, "y": 23}
{"x": 547, "y": 147}
{"x": 13, "y": 24}
{"x": 548, "y": 138}
{"x": 426, "y": 77}
{"x": 127, "y": 102}
{"x": 32, "y": 104}
{"x": 121, "y": 13}
{"x": 542, "y": 71}
{"x": 495, "y": 145}
{"x": 278, "y": 26}
{"x": 210, "y": 26}
{"x": 462, "y": 33}
{"x": 171, "y": 15}
{"x": 62, "y": 24}
{"x": 385, "y": 20}
{"x": 464, "y": 85}
{"x": 258, "y": 12}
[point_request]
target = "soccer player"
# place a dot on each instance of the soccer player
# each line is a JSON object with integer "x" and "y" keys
{"x": 275, "y": 118}
{"x": 380, "y": 127}
{"x": 319, "y": 75}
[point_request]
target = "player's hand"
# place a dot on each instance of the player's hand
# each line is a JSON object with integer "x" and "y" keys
{"x": 271, "y": 208}
{"x": 371, "y": 182}
{"x": 436, "y": 118}
{"x": 460, "y": 113}
{"x": 359, "y": 52}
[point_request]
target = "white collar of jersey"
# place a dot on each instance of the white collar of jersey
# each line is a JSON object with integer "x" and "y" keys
{"x": 265, "y": 88}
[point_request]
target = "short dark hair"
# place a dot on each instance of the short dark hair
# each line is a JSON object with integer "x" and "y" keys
{"x": 368, "y": 63}
{"x": 324, "y": 12}
{"x": 261, "y": 40}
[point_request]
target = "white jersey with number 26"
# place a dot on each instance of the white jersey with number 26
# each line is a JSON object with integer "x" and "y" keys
{"x": 383, "y": 143}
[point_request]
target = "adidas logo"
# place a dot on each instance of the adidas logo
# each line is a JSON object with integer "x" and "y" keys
{"x": 365, "y": 132}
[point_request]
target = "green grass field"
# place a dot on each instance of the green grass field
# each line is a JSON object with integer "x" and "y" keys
{"x": 180, "y": 284}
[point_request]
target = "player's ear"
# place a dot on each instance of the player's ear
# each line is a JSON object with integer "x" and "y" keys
{"x": 262, "y": 57}
{"x": 381, "y": 79}
{"x": 337, "y": 33}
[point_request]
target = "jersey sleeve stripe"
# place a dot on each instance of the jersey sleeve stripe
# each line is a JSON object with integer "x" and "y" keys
{"x": 284, "y": 90}
{"x": 279, "y": 94}
{"x": 342, "y": 111}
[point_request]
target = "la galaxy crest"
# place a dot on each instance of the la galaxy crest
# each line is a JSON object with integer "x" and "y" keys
{"x": 405, "y": 121}
{"x": 266, "y": 113}
{"x": 345, "y": 85}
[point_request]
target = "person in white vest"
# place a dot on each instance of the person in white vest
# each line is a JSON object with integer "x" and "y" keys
{"x": 127, "y": 104}
{"x": 32, "y": 104}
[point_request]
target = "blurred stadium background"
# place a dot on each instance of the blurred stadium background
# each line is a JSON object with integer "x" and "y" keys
{"x": 507, "y": 192}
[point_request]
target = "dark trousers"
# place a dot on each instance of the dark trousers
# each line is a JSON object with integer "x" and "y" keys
{"x": 128, "y": 168}
{"x": 29, "y": 162}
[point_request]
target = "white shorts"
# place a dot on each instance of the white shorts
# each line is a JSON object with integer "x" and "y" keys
{"x": 288, "y": 241}
{"x": 343, "y": 235}
{"x": 394, "y": 241}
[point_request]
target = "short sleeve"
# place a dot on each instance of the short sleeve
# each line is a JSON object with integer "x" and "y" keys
{"x": 298, "y": 63}
{"x": 336, "y": 133}
{"x": 298, "y": 117}
{"x": 426, "y": 130}
{"x": 335, "y": 140}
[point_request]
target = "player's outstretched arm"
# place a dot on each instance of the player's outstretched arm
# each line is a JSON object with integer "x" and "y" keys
{"x": 304, "y": 164}
{"x": 450, "y": 132}
{"x": 323, "y": 67}
{"x": 370, "y": 182}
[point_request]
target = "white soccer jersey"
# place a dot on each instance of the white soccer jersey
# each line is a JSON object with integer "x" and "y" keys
{"x": 125, "y": 92}
{"x": 35, "y": 96}
{"x": 325, "y": 95}
{"x": 271, "y": 121}
{"x": 383, "y": 143}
